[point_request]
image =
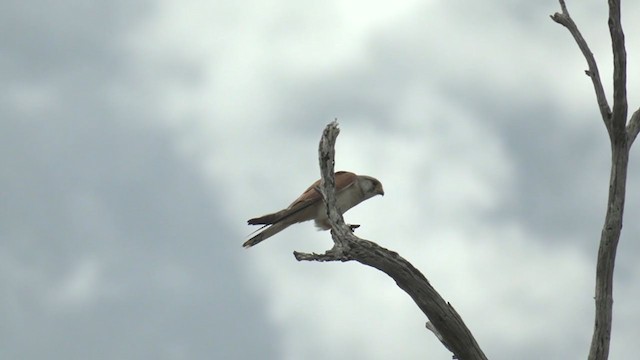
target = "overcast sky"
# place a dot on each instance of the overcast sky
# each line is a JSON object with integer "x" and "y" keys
{"x": 137, "y": 137}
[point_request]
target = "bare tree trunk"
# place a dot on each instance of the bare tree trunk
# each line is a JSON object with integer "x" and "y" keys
{"x": 449, "y": 327}
{"x": 621, "y": 136}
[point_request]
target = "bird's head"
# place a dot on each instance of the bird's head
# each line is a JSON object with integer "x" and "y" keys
{"x": 370, "y": 186}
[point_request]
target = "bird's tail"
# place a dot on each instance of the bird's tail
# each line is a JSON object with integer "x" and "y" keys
{"x": 268, "y": 219}
{"x": 265, "y": 234}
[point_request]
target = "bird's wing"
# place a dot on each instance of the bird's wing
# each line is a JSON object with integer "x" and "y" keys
{"x": 278, "y": 221}
{"x": 344, "y": 179}
{"x": 309, "y": 197}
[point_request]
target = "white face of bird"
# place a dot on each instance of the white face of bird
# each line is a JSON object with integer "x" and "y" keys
{"x": 371, "y": 186}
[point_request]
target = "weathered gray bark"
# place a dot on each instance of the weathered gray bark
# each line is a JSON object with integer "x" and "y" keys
{"x": 621, "y": 136}
{"x": 448, "y": 324}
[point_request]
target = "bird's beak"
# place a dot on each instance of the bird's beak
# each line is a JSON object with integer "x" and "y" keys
{"x": 381, "y": 191}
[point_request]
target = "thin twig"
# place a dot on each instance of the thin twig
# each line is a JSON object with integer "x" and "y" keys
{"x": 565, "y": 20}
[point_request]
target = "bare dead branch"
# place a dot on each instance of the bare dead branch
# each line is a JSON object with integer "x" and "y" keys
{"x": 619, "y": 117}
{"x": 612, "y": 229}
{"x": 327, "y": 256}
{"x": 609, "y": 238}
{"x": 633, "y": 128}
{"x": 565, "y": 20}
{"x": 349, "y": 247}
{"x": 621, "y": 137}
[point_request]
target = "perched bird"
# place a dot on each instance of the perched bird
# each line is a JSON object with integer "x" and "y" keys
{"x": 351, "y": 190}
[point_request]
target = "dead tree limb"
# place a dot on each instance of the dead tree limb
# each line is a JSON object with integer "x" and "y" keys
{"x": 621, "y": 136}
{"x": 633, "y": 128}
{"x": 565, "y": 19}
{"x": 453, "y": 332}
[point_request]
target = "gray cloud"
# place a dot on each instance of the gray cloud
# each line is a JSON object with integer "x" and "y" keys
{"x": 113, "y": 244}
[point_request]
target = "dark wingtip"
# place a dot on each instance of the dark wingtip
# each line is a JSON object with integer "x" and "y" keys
{"x": 263, "y": 220}
{"x": 253, "y": 241}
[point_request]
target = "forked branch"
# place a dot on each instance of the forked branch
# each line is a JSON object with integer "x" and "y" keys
{"x": 621, "y": 136}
